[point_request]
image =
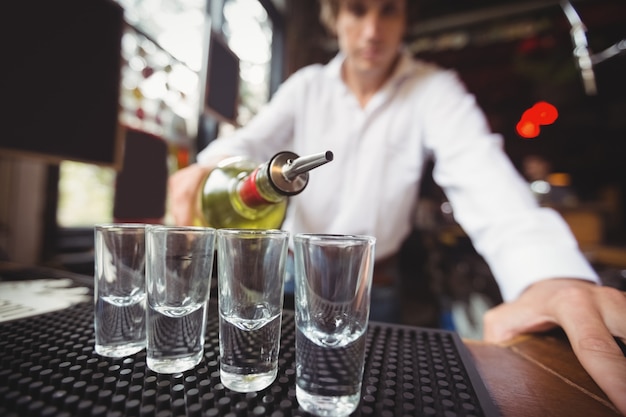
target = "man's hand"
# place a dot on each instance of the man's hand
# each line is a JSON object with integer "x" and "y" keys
{"x": 183, "y": 189}
{"x": 590, "y": 315}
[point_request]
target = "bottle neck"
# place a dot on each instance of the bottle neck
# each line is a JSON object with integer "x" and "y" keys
{"x": 286, "y": 174}
{"x": 256, "y": 190}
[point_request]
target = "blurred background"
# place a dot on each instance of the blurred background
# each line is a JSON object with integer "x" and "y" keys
{"x": 104, "y": 99}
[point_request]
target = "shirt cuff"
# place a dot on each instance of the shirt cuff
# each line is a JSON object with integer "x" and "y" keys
{"x": 517, "y": 270}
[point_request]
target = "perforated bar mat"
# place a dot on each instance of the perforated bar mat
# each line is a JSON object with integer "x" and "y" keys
{"x": 49, "y": 368}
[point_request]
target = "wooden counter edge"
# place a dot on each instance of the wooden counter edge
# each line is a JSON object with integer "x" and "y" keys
{"x": 538, "y": 374}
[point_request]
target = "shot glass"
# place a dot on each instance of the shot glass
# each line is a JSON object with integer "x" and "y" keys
{"x": 119, "y": 289}
{"x": 178, "y": 280}
{"x": 333, "y": 279}
{"x": 251, "y": 273}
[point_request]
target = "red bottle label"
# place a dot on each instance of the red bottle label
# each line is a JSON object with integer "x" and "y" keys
{"x": 249, "y": 192}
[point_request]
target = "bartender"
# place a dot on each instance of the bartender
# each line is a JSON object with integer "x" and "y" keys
{"x": 384, "y": 114}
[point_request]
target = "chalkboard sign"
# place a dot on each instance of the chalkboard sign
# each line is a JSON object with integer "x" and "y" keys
{"x": 60, "y": 81}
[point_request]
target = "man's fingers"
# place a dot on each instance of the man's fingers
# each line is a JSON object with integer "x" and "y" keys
{"x": 594, "y": 344}
{"x": 183, "y": 189}
{"x": 506, "y": 321}
{"x": 612, "y": 304}
{"x": 593, "y": 317}
{"x": 605, "y": 363}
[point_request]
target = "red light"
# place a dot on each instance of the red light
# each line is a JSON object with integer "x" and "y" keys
{"x": 545, "y": 113}
{"x": 542, "y": 113}
{"x": 527, "y": 129}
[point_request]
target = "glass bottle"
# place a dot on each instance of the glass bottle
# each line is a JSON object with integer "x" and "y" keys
{"x": 239, "y": 193}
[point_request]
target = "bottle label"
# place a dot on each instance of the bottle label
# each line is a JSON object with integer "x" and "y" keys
{"x": 249, "y": 192}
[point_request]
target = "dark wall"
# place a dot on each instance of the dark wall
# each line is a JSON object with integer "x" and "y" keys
{"x": 60, "y": 81}
{"x": 588, "y": 140}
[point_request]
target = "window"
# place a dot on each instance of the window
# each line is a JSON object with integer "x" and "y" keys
{"x": 161, "y": 56}
{"x": 85, "y": 194}
{"x": 249, "y": 34}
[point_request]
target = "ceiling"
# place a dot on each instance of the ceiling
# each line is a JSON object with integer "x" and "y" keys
{"x": 439, "y": 8}
{"x": 438, "y": 15}
{"x": 445, "y": 7}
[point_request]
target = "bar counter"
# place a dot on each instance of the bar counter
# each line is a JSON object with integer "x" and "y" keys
{"x": 48, "y": 368}
{"x": 539, "y": 375}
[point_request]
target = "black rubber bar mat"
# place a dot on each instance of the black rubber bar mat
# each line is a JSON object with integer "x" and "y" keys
{"x": 48, "y": 368}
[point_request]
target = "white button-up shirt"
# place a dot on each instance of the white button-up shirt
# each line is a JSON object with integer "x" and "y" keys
{"x": 371, "y": 186}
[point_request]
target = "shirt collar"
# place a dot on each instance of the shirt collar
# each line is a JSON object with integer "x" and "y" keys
{"x": 402, "y": 70}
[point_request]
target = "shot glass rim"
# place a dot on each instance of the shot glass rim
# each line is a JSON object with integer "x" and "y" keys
{"x": 252, "y": 232}
{"x": 122, "y": 226}
{"x": 175, "y": 228}
{"x": 333, "y": 237}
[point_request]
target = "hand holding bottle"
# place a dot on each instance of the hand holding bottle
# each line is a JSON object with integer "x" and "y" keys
{"x": 238, "y": 192}
{"x": 183, "y": 188}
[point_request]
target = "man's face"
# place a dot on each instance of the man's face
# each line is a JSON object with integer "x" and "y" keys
{"x": 370, "y": 33}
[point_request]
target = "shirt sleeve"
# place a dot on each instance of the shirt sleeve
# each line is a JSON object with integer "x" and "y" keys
{"x": 522, "y": 242}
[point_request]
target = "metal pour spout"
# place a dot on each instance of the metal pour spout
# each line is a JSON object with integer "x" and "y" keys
{"x": 300, "y": 165}
{"x": 289, "y": 173}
